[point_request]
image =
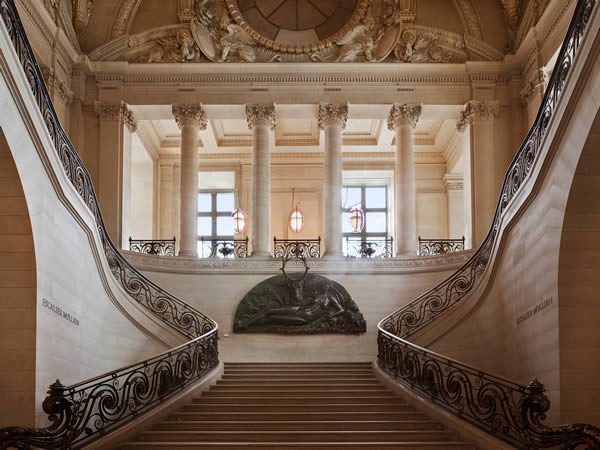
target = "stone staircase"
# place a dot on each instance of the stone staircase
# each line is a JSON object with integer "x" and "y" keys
{"x": 298, "y": 406}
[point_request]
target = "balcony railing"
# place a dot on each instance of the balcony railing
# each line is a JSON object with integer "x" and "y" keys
{"x": 223, "y": 248}
{"x": 160, "y": 247}
{"x": 297, "y": 248}
{"x": 370, "y": 248}
{"x": 432, "y": 247}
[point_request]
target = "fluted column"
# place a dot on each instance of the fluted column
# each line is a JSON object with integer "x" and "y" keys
{"x": 191, "y": 119}
{"x": 261, "y": 120}
{"x": 403, "y": 119}
{"x": 481, "y": 181}
{"x": 332, "y": 120}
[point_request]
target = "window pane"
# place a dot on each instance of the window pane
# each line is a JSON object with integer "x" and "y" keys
{"x": 225, "y": 202}
{"x": 224, "y": 226}
{"x": 376, "y": 222}
{"x": 204, "y": 226}
{"x": 351, "y": 197}
{"x": 346, "y": 228}
{"x": 204, "y": 202}
{"x": 375, "y": 197}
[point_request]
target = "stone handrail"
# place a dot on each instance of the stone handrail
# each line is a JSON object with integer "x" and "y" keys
{"x": 502, "y": 407}
{"x": 83, "y": 412}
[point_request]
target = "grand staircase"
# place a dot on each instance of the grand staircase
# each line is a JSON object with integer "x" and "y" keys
{"x": 298, "y": 406}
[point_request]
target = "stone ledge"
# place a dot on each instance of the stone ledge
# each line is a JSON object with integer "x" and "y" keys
{"x": 269, "y": 265}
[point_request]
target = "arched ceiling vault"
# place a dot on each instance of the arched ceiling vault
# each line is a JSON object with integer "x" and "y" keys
{"x": 492, "y": 22}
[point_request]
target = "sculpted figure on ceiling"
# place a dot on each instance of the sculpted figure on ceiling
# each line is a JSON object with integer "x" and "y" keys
{"x": 376, "y": 31}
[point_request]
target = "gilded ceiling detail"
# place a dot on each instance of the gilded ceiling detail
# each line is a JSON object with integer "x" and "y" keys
{"x": 227, "y": 31}
{"x": 125, "y": 14}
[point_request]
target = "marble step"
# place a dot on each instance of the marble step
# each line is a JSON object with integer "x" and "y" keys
{"x": 311, "y": 415}
{"x": 448, "y": 445}
{"x": 297, "y": 436}
{"x": 294, "y": 399}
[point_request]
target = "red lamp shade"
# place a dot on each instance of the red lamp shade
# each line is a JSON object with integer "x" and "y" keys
{"x": 239, "y": 221}
{"x": 296, "y": 220}
{"x": 357, "y": 220}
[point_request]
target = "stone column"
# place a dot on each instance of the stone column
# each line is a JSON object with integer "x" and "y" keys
{"x": 261, "y": 120}
{"x": 478, "y": 117}
{"x": 117, "y": 123}
{"x": 403, "y": 119}
{"x": 191, "y": 119}
{"x": 332, "y": 120}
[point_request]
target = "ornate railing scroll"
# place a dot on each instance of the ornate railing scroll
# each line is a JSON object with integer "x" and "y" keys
{"x": 504, "y": 408}
{"x": 223, "y": 248}
{"x": 83, "y": 412}
{"x": 159, "y": 247}
{"x": 307, "y": 248}
{"x": 369, "y": 248}
{"x": 432, "y": 247}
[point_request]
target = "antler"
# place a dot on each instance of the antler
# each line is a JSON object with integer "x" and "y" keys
{"x": 284, "y": 260}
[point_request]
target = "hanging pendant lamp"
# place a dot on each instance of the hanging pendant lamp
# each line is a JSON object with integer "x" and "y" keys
{"x": 239, "y": 221}
{"x": 357, "y": 220}
{"x": 296, "y": 217}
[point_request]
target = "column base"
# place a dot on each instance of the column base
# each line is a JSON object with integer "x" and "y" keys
{"x": 333, "y": 255}
{"x": 260, "y": 253}
{"x": 401, "y": 253}
{"x": 187, "y": 254}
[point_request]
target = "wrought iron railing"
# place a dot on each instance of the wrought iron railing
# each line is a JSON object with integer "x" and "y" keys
{"x": 369, "y": 248}
{"x": 432, "y": 247}
{"x": 159, "y": 247}
{"x": 511, "y": 411}
{"x": 298, "y": 248}
{"x": 223, "y": 248}
{"x": 83, "y": 412}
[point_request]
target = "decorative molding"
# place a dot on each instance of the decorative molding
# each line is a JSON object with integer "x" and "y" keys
{"x": 454, "y": 181}
{"x": 186, "y": 11}
{"x": 58, "y": 89}
{"x": 333, "y": 114}
{"x": 261, "y": 115}
{"x": 192, "y": 114}
{"x": 470, "y": 18}
{"x": 476, "y": 110}
{"x": 407, "y": 9}
{"x": 82, "y": 10}
{"x": 124, "y": 16}
{"x": 536, "y": 86}
{"x": 403, "y": 114}
{"x": 113, "y": 112}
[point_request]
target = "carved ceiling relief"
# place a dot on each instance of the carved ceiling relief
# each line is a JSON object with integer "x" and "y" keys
{"x": 216, "y": 31}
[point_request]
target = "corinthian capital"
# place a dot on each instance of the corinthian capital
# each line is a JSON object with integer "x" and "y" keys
{"x": 477, "y": 110}
{"x": 261, "y": 115}
{"x": 403, "y": 114}
{"x": 332, "y": 114}
{"x": 113, "y": 112}
{"x": 191, "y": 114}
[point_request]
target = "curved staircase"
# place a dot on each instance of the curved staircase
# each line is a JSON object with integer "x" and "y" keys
{"x": 298, "y": 406}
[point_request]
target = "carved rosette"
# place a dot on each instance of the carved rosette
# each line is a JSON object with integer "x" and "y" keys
{"x": 261, "y": 115}
{"x": 111, "y": 112}
{"x": 403, "y": 114}
{"x": 476, "y": 110}
{"x": 332, "y": 114}
{"x": 192, "y": 114}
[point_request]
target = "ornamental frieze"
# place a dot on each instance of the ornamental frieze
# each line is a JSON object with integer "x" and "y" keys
{"x": 219, "y": 31}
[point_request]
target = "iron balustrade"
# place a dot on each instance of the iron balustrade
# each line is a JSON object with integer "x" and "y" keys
{"x": 223, "y": 248}
{"x": 159, "y": 247}
{"x": 298, "y": 248}
{"x": 509, "y": 410}
{"x": 432, "y": 247}
{"x": 83, "y": 412}
{"x": 370, "y": 248}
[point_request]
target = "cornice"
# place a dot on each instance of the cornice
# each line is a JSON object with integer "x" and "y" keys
{"x": 181, "y": 265}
